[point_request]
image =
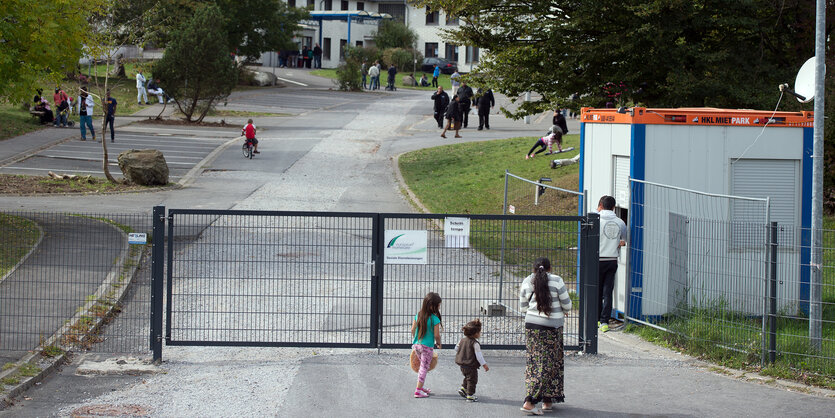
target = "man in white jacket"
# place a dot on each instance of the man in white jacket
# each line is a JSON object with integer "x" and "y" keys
{"x": 85, "y": 112}
{"x": 612, "y": 237}
{"x": 140, "y": 88}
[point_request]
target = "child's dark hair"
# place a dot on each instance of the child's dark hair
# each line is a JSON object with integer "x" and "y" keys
{"x": 472, "y": 328}
{"x": 540, "y": 285}
{"x": 431, "y": 306}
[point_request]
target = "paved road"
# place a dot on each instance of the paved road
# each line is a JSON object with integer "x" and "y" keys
{"x": 339, "y": 157}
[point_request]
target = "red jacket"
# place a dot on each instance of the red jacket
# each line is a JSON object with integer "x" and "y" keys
{"x": 248, "y": 131}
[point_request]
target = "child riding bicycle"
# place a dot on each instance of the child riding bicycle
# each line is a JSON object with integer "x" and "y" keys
{"x": 248, "y": 132}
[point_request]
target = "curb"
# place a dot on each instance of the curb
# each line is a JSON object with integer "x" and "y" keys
{"x": 53, "y": 363}
{"x": 410, "y": 196}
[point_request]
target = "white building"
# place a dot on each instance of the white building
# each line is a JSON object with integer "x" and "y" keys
{"x": 334, "y": 32}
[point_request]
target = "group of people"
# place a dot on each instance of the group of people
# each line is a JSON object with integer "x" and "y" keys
{"x": 371, "y": 76}
{"x": 146, "y": 86}
{"x": 544, "y": 299}
{"x": 307, "y": 58}
{"x": 456, "y": 112}
{"x": 554, "y": 135}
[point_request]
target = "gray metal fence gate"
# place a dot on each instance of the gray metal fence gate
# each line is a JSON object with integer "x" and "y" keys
{"x": 263, "y": 278}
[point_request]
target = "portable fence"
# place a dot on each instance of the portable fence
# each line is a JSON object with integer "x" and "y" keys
{"x": 714, "y": 271}
{"x": 65, "y": 277}
{"x": 535, "y": 197}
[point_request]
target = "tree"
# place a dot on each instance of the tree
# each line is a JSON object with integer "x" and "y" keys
{"x": 196, "y": 66}
{"x": 40, "y": 41}
{"x": 251, "y": 26}
{"x": 665, "y": 52}
{"x": 393, "y": 34}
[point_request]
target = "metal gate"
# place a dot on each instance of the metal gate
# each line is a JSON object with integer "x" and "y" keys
{"x": 263, "y": 278}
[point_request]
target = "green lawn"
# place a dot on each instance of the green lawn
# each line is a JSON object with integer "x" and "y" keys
{"x": 17, "y": 236}
{"x": 15, "y": 121}
{"x": 469, "y": 177}
{"x": 443, "y": 79}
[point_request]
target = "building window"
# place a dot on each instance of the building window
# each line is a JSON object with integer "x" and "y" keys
{"x": 451, "y": 52}
{"x": 431, "y": 50}
{"x": 344, "y": 5}
{"x": 360, "y": 5}
{"x": 451, "y": 20}
{"x": 359, "y": 44}
{"x": 431, "y": 17}
{"x": 311, "y": 4}
{"x": 342, "y": 44}
{"x": 472, "y": 54}
{"x": 291, "y": 3}
{"x": 396, "y": 10}
{"x": 326, "y": 48}
{"x": 328, "y": 4}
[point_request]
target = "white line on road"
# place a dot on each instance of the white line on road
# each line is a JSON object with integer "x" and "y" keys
{"x": 291, "y": 81}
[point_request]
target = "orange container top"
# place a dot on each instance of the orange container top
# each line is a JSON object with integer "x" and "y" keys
{"x": 704, "y": 116}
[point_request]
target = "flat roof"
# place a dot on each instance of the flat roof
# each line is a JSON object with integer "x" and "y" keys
{"x": 704, "y": 116}
{"x": 344, "y": 14}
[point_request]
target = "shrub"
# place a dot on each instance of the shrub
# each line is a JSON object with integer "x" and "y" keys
{"x": 403, "y": 59}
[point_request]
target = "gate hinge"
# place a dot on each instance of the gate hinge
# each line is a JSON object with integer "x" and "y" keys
{"x": 585, "y": 225}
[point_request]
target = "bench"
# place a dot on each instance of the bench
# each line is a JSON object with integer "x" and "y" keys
{"x": 36, "y": 113}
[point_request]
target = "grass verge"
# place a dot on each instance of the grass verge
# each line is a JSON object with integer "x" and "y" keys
{"x": 17, "y": 236}
{"x": 29, "y": 185}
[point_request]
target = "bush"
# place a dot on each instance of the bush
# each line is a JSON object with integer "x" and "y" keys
{"x": 402, "y": 59}
{"x": 348, "y": 76}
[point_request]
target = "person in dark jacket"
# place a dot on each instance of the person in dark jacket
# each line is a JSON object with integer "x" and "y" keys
{"x": 559, "y": 120}
{"x": 453, "y": 117}
{"x": 317, "y": 56}
{"x": 441, "y": 101}
{"x": 465, "y": 95}
{"x": 484, "y": 102}
{"x": 392, "y": 76}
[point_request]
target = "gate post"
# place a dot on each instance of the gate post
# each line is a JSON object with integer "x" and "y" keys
{"x": 589, "y": 301}
{"x": 157, "y": 277}
{"x": 377, "y": 239}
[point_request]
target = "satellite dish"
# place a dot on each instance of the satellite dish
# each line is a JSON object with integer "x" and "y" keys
{"x": 804, "y": 84}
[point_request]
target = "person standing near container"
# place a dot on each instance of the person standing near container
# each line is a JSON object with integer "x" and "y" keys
{"x": 612, "y": 237}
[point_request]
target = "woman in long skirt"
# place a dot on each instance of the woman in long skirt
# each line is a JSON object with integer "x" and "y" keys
{"x": 545, "y": 300}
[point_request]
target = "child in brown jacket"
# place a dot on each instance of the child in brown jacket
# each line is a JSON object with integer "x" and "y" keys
{"x": 468, "y": 356}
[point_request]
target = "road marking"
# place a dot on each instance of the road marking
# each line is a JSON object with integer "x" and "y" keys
{"x": 293, "y": 82}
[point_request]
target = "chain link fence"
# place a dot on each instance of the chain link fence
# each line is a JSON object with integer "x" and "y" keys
{"x": 711, "y": 270}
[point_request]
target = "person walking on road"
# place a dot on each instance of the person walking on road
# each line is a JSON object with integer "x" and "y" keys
{"x": 392, "y": 76}
{"x": 85, "y": 112}
{"x": 465, "y": 97}
{"x": 110, "y": 115}
{"x": 544, "y": 299}
{"x": 484, "y": 102}
{"x": 141, "y": 92}
{"x": 453, "y": 117}
{"x": 441, "y": 102}
{"x": 612, "y": 237}
{"x": 426, "y": 329}
{"x": 469, "y": 358}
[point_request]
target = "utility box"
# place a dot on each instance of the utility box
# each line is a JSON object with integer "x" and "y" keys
{"x": 492, "y": 308}
{"x": 706, "y": 156}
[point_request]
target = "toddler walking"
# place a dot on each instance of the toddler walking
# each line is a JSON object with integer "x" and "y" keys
{"x": 426, "y": 329}
{"x": 468, "y": 356}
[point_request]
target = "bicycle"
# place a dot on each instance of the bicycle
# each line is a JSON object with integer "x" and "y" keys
{"x": 247, "y": 149}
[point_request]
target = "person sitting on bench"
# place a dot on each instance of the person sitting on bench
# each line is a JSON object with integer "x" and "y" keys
{"x": 156, "y": 90}
{"x": 42, "y": 106}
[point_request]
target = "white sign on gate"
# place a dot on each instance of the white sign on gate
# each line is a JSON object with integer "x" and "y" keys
{"x": 457, "y": 232}
{"x": 405, "y": 247}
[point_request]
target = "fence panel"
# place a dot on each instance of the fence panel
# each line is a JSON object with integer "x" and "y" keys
{"x": 73, "y": 281}
{"x": 537, "y": 197}
{"x": 481, "y": 279}
{"x": 269, "y": 278}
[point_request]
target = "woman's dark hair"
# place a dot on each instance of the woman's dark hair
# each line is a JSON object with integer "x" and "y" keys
{"x": 431, "y": 305}
{"x": 472, "y": 328}
{"x": 540, "y": 285}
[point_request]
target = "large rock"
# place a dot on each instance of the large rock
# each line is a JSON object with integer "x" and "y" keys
{"x": 261, "y": 79}
{"x": 146, "y": 167}
{"x": 409, "y": 81}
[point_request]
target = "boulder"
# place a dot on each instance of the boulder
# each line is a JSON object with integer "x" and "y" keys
{"x": 146, "y": 167}
{"x": 261, "y": 79}
{"x": 409, "y": 81}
